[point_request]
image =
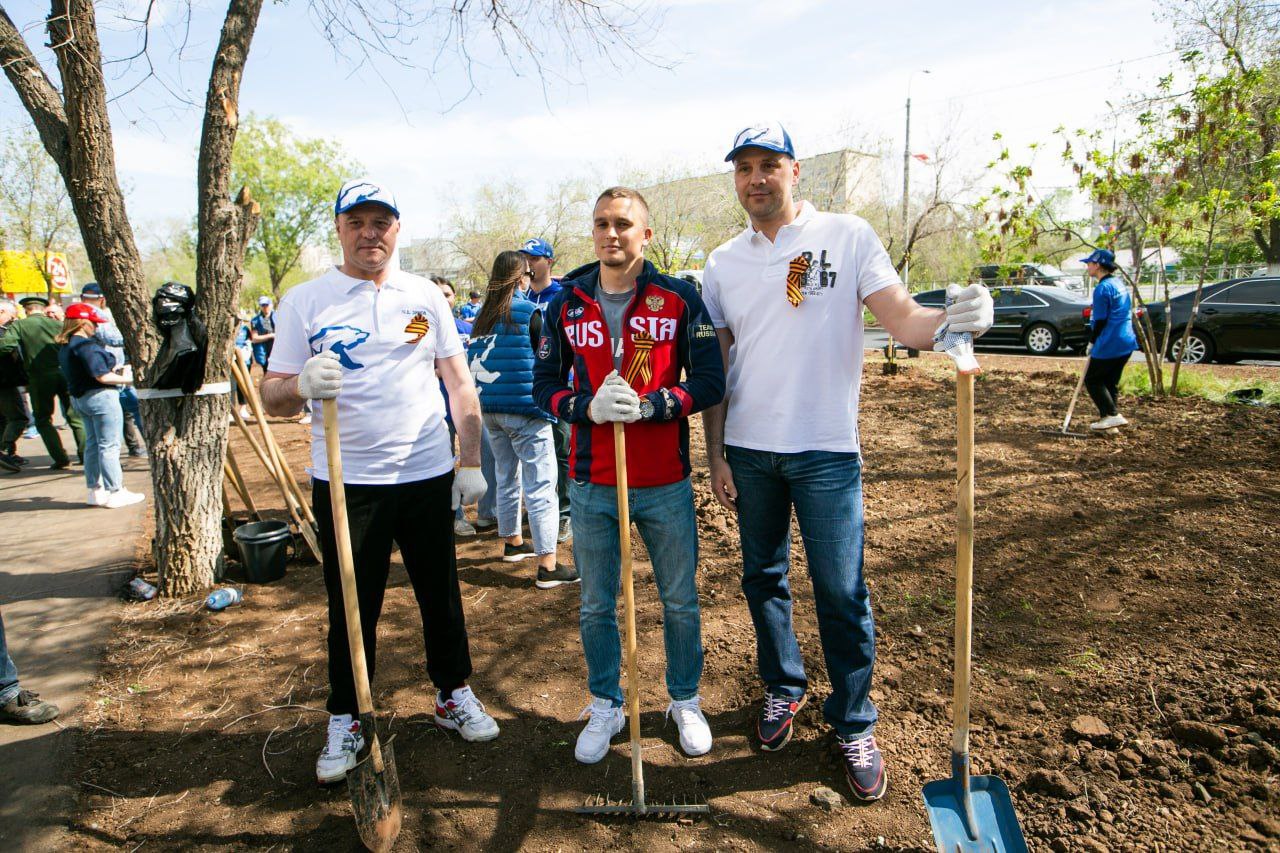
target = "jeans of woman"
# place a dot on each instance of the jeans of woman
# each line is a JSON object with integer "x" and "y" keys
{"x": 524, "y": 459}
{"x": 103, "y": 429}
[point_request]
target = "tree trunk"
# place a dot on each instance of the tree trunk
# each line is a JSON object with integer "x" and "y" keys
{"x": 1271, "y": 247}
{"x": 186, "y": 435}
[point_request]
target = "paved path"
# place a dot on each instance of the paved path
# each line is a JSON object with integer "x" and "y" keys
{"x": 61, "y": 566}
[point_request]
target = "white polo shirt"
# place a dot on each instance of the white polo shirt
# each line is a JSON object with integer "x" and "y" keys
{"x": 390, "y": 410}
{"x": 794, "y": 371}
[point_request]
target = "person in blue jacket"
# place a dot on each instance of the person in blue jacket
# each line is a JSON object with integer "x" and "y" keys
{"x": 1111, "y": 325}
{"x": 501, "y": 356}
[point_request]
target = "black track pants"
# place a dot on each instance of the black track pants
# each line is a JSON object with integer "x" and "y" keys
{"x": 1102, "y": 381}
{"x": 415, "y": 516}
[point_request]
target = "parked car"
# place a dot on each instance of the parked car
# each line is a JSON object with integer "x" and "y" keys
{"x": 1018, "y": 275}
{"x": 1042, "y": 319}
{"x": 1239, "y": 318}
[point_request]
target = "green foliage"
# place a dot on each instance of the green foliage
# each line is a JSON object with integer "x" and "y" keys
{"x": 295, "y": 181}
{"x": 1201, "y": 382}
{"x": 35, "y": 211}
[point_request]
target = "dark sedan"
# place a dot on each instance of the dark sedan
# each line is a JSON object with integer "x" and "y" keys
{"x": 1042, "y": 319}
{"x": 1237, "y": 319}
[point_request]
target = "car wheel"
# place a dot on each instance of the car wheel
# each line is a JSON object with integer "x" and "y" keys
{"x": 1199, "y": 348}
{"x": 1042, "y": 339}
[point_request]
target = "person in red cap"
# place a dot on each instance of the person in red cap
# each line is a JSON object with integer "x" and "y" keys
{"x": 94, "y": 382}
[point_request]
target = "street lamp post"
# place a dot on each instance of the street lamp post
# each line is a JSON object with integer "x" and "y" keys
{"x": 890, "y": 352}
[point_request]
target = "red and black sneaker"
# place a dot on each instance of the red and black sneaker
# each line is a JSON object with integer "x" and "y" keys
{"x": 863, "y": 767}
{"x": 773, "y": 726}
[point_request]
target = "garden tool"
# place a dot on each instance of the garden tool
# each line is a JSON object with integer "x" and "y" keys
{"x": 372, "y": 783}
{"x": 1066, "y": 422}
{"x": 638, "y": 807}
{"x": 968, "y": 814}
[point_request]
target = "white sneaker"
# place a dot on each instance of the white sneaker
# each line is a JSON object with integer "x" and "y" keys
{"x": 122, "y": 498}
{"x": 695, "y": 734}
{"x": 305, "y": 420}
{"x": 462, "y": 527}
{"x": 485, "y": 523}
{"x": 97, "y": 497}
{"x": 1109, "y": 422}
{"x": 464, "y": 714}
{"x": 246, "y": 415}
{"x": 343, "y": 743}
{"x": 593, "y": 741}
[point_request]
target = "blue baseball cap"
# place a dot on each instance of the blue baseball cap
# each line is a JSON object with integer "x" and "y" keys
{"x": 1100, "y": 256}
{"x": 92, "y": 289}
{"x": 769, "y": 135}
{"x": 536, "y": 247}
{"x": 364, "y": 191}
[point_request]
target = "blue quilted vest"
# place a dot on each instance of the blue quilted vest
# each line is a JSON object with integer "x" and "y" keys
{"x": 502, "y": 364}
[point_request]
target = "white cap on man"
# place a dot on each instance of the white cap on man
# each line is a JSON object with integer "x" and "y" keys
{"x": 364, "y": 191}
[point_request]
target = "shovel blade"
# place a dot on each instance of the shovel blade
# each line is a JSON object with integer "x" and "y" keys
{"x": 995, "y": 824}
{"x": 375, "y": 799}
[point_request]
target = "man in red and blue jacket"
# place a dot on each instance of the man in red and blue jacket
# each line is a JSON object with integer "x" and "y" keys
{"x": 641, "y": 351}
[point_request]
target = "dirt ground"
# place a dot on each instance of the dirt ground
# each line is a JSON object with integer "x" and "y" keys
{"x": 1132, "y": 580}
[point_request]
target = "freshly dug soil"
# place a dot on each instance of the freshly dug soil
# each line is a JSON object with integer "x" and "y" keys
{"x": 1125, "y": 648}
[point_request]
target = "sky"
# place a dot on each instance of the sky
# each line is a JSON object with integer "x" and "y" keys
{"x": 835, "y": 73}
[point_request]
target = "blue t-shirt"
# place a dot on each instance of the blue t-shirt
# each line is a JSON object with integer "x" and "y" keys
{"x": 1113, "y": 310}
{"x": 82, "y": 361}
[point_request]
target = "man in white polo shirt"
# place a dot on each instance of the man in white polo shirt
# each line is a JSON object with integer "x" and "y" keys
{"x": 373, "y": 337}
{"x": 786, "y": 298}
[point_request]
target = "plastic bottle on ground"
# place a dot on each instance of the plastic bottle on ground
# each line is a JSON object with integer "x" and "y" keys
{"x": 221, "y": 599}
{"x": 140, "y": 590}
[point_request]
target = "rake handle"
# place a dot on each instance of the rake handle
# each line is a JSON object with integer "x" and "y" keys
{"x": 346, "y": 570}
{"x": 629, "y": 608}
{"x": 1066, "y": 422}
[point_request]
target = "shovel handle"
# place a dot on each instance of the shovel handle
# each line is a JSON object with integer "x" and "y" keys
{"x": 629, "y": 608}
{"x": 964, "y": 560}
{"x": 346, "y": 570}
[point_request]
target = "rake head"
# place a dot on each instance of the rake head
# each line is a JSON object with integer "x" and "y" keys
{"x": 604, "y": 807}
{"x": 1062, "y": 433}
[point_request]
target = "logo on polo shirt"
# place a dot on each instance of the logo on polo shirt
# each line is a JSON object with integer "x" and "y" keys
{"x": 812, "y": 274}
{"x": 655, "y": 303}
{"x": 417, "y": 328}
{"x": 341, "y": 340}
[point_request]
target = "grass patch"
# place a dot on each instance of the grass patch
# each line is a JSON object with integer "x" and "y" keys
{"x": 1198, "y": 383}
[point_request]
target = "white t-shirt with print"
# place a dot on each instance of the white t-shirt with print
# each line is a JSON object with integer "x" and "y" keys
{"x": 795, "y": 371}
{"x": 390, "y": 410}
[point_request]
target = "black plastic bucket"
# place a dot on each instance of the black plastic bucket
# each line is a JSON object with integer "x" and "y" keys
{"x": 263, "y": 549}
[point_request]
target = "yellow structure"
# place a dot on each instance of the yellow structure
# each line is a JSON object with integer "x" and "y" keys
{"x": 19, "y": 274}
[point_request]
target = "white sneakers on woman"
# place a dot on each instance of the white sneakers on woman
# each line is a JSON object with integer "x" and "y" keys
{"x": 113, "y": 500}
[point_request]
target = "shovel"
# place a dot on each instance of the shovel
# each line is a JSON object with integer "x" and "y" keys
{"x": 968, "y": 814}
{"x": 372, "y": 783}
{"x": 638, "y": 807}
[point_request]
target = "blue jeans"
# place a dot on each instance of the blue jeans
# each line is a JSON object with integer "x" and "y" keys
{"x": 524, "y": 460}
{"x": 8, "y": 672}
{"x": 826, "y": 490}
{"x": 103, "y": 429}
{"x": 664, "y": 517}
{"x": 488, "y": 506}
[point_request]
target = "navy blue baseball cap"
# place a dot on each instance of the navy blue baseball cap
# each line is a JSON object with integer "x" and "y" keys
{"x": 1100, "y": 256}
{"x": 364, "y": 191}
{"x": 769, "y": 135}
{"x": 91, "y": 288}
{"x": 536, "y": 247}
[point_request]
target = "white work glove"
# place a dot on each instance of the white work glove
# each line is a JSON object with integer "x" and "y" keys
{"x": 970, "y": 309}
{"x": 615, "y": 400}
{"x": 468, "y": 487}
{"x": 321, "y": 377}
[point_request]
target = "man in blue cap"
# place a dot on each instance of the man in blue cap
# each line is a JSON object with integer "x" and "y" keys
{"x": 786, "y": 294}
{"x": 373, "y": 337}
{"x": 1111, "y": 330}
{"x": 542, "y": 290}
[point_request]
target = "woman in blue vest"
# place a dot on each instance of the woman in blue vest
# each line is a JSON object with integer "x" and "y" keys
{"x": 1111, "y": 324}
{"x": 501, "y": 356}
